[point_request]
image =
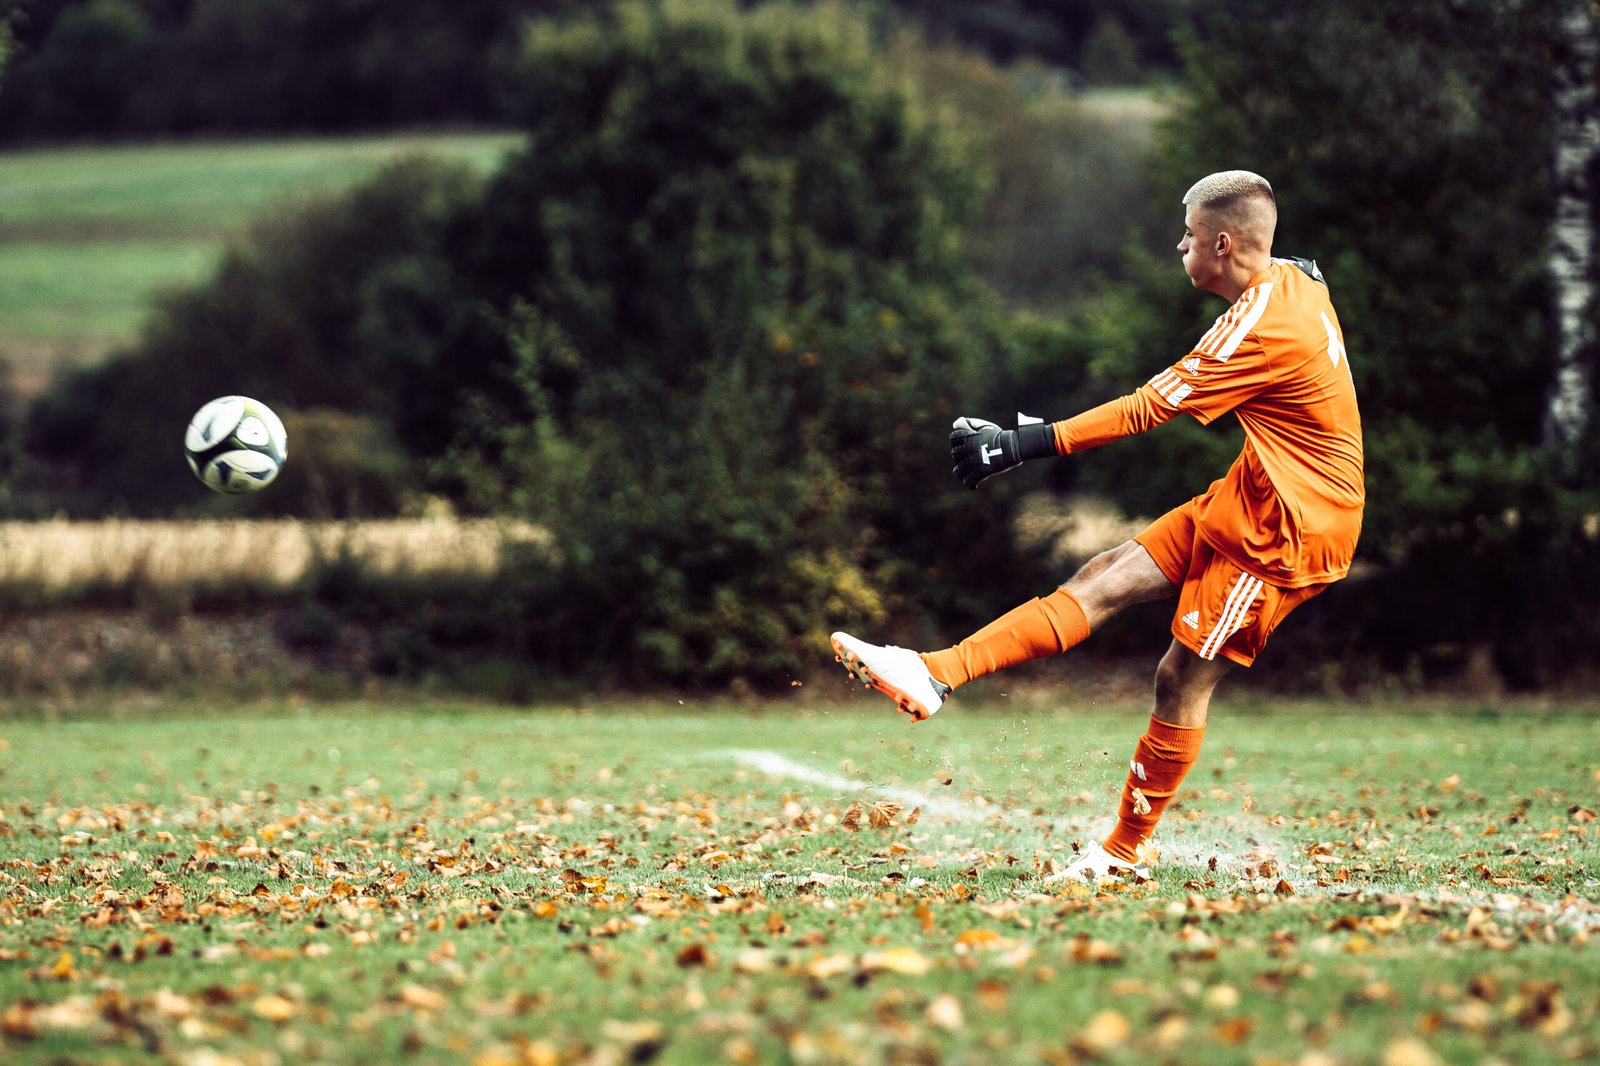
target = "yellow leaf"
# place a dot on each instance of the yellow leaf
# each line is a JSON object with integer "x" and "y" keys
{"x": 1105, "y": 1032}
{"x": 273, "y": 1008}
{"x": 1408, "y": 1051}
{"x": 978, "y": 938}
{"x": 852, "y": 818}
{"x": 896, "y": 960}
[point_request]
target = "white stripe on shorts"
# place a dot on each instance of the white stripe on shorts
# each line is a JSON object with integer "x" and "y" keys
{"x": 1240, "y": 597}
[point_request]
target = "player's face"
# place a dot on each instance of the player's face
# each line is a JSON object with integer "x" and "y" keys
{"x": 1198, "y": 249}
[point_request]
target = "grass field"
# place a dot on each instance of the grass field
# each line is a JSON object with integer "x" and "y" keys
{"x": 88, "y": 234}
{"x": 792, "y": 882}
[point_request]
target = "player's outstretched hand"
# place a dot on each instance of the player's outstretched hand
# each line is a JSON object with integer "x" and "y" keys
{"x": 979, "y": 449}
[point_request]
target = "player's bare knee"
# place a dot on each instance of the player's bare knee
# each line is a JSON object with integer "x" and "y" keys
{"x": 1170, "y": 678}
{"x": 1116, "y": 578}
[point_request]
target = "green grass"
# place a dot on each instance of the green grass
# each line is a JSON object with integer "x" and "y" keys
{"x": 435, "y": 883}
{"x": 88, "y": 234}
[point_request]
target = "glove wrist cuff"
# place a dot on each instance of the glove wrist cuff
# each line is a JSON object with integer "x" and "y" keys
{"x": 1036, "y": 441}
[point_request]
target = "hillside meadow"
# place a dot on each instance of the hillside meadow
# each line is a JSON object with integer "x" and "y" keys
{"x": 90, "y": 234}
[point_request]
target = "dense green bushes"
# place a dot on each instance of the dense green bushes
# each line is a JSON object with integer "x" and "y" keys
{"x": 733, "y": 256}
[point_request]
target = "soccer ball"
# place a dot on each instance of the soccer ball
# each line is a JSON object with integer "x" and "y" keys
{"x": 235, "y": 444}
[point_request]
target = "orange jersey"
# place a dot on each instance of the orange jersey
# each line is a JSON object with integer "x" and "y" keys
{"x": 1289, "y": 509}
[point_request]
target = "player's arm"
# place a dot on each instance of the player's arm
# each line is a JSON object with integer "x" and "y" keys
{"x": 979, "y": 449}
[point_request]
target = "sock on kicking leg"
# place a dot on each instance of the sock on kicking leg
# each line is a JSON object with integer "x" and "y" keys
{"x": 1160, "y": 761}
{"x": 1043, "y": 626}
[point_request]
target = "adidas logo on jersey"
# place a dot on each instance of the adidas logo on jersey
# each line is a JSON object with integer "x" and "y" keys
{"x": 1191, "y": 364}
{"x": 1192, "y": 619}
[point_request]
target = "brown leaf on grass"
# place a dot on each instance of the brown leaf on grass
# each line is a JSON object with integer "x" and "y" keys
{"x": 1234, "y": 1031}
{"x": 882, "y": 813}
{"x": 994, "y": 996}
{"x": 694, "y": 955}
{"x": 1087, "y": 949}
{"x": 1581, "y": 814}
{"x": 273, "y": 1008}
{"x": 852, "y": 818}
{"x": 17, "y": 1021}
{"x": 914, "y": 816}
{"x": 1538, "y": 1005}
{"x": 417, "y": 997}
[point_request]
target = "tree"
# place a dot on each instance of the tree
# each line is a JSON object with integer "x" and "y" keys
{"x": 730, "y": 266}
{"x": 8, "y": 11}
{"x": 1576, "y": 174}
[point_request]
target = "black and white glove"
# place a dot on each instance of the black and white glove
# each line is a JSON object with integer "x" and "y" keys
{"x": 980, "y": 449}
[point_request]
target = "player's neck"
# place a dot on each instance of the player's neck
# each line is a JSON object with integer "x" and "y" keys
{"x": 1237, "y": 273}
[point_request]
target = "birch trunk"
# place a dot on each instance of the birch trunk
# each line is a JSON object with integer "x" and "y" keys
{"x": 1571, "y": 258}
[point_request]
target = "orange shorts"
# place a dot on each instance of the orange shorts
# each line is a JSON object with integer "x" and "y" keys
{"x": 1221, "y": 608}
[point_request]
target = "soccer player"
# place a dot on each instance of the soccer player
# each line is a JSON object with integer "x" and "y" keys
{"x": 1274, "y": 531}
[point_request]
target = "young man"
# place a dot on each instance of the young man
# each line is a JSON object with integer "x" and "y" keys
{"x": 1277, "y": 529}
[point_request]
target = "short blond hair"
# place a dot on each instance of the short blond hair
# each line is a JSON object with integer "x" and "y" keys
{"x": 1238, "y": 201}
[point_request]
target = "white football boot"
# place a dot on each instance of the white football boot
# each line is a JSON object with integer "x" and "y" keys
{"x": 1095, "y": 865}
{"x": 898, "y": 673}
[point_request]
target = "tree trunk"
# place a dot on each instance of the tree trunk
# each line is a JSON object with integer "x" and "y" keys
{"x": 1571, "y": 260}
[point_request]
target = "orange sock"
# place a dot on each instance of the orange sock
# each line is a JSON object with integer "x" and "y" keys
{"x": 1160, "y": 761}
{"x": 1043, "y": 626}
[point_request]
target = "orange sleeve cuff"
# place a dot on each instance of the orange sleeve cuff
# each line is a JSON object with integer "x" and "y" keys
{"x": 1125, "y": 416}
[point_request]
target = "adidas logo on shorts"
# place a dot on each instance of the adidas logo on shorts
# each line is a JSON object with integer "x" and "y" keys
{"x": 1192, "y": 619}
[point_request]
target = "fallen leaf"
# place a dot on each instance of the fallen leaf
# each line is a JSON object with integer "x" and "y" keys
{"x": 1408, "y": 1051}
{"x": 896, "y": 960}
{"x": 273, "y": 1008}
{"x": 1105, "y": 1032}
{"x": 417, "y": 997}
{"x": 825, "y": 966}
{"x": 944, "y": 1012}
{"x": 881, "y": 815}
{"x": 977, "y": 938}
{"x": 694, "y": 955}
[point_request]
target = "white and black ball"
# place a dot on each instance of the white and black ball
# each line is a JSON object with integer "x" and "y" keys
{"x": 236, "y": 444}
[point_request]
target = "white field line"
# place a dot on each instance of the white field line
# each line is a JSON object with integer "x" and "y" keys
{"x": 1180, "y": 852}
{"x": 776, "y": 764}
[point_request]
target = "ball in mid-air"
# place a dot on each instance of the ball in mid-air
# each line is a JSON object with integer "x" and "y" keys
{"x": 235, "y": 444}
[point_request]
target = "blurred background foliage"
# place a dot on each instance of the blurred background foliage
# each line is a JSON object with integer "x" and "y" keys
{"x": 708, "y": 321}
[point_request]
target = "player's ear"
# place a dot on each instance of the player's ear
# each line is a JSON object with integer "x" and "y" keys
{"x": 1224, "y": 242}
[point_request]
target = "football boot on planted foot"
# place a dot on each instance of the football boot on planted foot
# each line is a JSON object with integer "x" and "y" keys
{"x": 1095, "y": 865}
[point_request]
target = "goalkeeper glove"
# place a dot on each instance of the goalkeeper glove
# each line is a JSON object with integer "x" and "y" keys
{"x": 981, "y": 449}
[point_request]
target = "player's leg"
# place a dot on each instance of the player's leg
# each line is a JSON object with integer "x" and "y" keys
{"x": 1046, "y": 625}
{"x": 1161, "y": 760}
{"x": 1169, "y": 746}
